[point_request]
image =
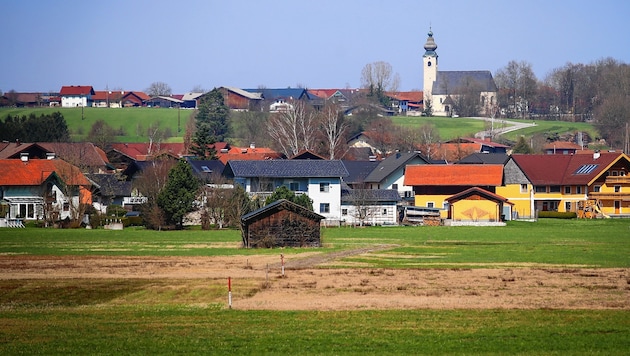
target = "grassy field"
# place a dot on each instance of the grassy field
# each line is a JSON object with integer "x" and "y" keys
{"x": 134, "y": 122}
{"x": 139, "y": 316}
{"x": 594, "y": 243}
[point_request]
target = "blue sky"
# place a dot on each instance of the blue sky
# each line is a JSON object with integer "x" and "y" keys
{"x": 278, "y": 44}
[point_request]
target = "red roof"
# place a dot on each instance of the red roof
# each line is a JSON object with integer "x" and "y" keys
{"x": 412, "y": 96}
{"x": 34, "y": 172}
{"x": 562, "y": 145}
{"x": 76, "y": 90}
{"x": 248, "y": 154}
{"x": 140, "y": 151}
{"x": 477, "y": 191}
{"x": 565, "y": 169}
{"x": 454, "y": 175}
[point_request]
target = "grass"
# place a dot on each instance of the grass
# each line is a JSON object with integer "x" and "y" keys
{"x": 195, "y": 330}
{"x": 134, "y": 122}
{"x": 594, "y": 243}
{"x": 172, "y": 316}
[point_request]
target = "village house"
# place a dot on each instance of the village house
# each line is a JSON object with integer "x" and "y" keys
{"x": 319, "y": 179}
{"x": 76, "y": 95}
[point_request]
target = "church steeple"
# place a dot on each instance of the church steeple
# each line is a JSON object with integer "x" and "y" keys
{"x": 430, "y": 46}
{"x": 430, "y": 71}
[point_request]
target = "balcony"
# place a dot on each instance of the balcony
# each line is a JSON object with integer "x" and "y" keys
{"x": 610, "y": 180}
{"x": 609, "y": 196}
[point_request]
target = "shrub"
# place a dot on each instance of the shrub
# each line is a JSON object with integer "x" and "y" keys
{"x": 116, "y": 210}
{"x": 557, "y": 215}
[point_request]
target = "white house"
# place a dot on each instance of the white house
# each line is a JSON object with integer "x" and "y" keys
{"x": 76, "y": 96}
{"x": 319, "y": 179}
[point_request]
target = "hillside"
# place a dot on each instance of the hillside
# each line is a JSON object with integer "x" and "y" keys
{"x": 135, "y": 122}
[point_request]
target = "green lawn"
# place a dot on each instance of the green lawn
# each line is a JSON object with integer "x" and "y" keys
{"x": 558, "y": 127}
{"x": 134, "y": 122}
{"x": 169, "y": 316}
{"x": 449, "y": 128}
{"x": 594, "y": 243}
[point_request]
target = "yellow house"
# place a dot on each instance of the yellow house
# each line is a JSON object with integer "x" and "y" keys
{"x": 572, "y": 183}
{"x": 434, "y": 184}
{"x": 477, "y": 205}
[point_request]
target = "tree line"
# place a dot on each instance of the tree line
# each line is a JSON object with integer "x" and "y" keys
{"x": 32, "y": 128}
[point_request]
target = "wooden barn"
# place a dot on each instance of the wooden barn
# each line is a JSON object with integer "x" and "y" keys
{"x": 281, "y": 224}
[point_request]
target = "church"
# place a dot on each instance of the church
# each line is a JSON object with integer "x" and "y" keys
{"x": 444, "y": 90}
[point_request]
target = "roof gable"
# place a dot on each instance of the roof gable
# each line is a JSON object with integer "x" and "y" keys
{"x": 34, "y": 172}
{"x": 392, "y": 163}
{"x": 279, "y": 205}
{"x": 477, "y": 191}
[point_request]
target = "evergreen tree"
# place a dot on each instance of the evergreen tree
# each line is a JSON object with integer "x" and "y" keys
{"x": 210, "y": 123}
{"x": 522, "y": 146}
{"x": 45, "y": 128}
{"x": 282, "y": 192}
{"x": 178, "y": 196}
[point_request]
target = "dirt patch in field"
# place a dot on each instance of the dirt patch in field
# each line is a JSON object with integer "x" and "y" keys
{"x": 308, "y": 286}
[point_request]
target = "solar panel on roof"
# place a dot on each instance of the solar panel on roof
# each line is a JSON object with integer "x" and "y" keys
{"x": 586, "y": 169}
{"x": 205, "y": 169}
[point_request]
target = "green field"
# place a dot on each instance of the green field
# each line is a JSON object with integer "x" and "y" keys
{"x": 163, "y": 316}
{"x": 135, "y": 122}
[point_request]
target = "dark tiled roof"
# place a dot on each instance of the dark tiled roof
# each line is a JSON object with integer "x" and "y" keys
{"x": 449, "y": 81}
{"x": 485, "y": 158}
{"x": 391, "y": 164}
{"x": 369, "y": 195}
{"x": 282, "y": 204}
{"x": 358, "y": 170}
{"x": 285, "y": 93}
{"x": 110, "y": 186}
{"x": 294, "y": 168}
{"x": 206, "y": 166}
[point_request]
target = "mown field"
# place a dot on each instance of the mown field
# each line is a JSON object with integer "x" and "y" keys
{"x": 189, "y": 315}
{"x": 134, "y": 123}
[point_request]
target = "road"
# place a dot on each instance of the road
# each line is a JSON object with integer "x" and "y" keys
{"x": 501, "y": 126}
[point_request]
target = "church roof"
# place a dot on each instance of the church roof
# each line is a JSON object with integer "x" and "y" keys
{"x": 447, "y": 82}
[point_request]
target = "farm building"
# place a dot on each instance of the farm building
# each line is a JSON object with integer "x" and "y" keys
{"x": 281, "y": 224}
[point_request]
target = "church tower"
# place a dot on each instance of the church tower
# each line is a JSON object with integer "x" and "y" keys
{"x": 430, "y": 68}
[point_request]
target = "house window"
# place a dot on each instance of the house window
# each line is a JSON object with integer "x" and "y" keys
{"x": 66, "y": 207}
{"x": 445, "y": 205}
{"x": 541, "y": 189}
{"x": 344, "y": 212}
{"x": 614, "y": 173}
{"x": 567, "y": 190}
{"x": 567, "y": 206}
{"x": 384, "y": 211}
{"x": 523, "y": 188}
{"x": 324, "y": 187}
{"x": 597, "y": 188}
{"x": 430, "y": 204}
{"x": 617, "y": 189}
{"x": 395, "y": 186}
{"x": 554, "y": 189}
{"x": 578, "y": 189}
{"x": 294, "y": 186}
{"x": 324, "y": 208}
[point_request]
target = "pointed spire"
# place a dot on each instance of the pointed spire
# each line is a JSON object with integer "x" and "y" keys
{"x": 430, "y": 45}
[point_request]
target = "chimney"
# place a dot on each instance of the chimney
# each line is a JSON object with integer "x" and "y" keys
{"x": 17, "y": 142}
{"x": 252, "y": 145}
{"x": 596, "y": 155}
{"x": 24, "y": 156}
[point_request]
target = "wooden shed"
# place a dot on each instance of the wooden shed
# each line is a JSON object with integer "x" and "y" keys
{"x": 477, "y": 205}
{"x": 281, "y": 224}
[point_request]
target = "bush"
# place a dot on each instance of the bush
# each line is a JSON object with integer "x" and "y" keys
{"x": 116, "y": 210}
{"x": 557, "y": 215}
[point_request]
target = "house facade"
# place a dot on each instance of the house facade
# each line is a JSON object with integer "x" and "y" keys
{"x": 370, "y": 207}
{"x": 390, "y": 174}
{"x": 76, "y": 95}
{"x": 320, "y": 180}
{"x": 37, "y": 189}
{"x": 434, "y": 184}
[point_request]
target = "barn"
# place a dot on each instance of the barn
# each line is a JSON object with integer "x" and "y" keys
{"x": 281, "y": 224}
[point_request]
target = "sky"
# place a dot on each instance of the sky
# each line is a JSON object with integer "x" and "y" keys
{"x": 129, "y": 44}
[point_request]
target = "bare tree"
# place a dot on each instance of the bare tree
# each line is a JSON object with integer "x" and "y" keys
{"x": 518, "y": 81}
{"x": 149, "y": 185}
{"x": 378, "y": 78}
{"x": 159, "y": 89}
{"x": 362, "y": 200}
{"x": 334, "y": 127}
{"x": 294, "y": 129}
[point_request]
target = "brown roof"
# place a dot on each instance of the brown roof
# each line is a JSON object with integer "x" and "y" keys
{"x": 454, "y": 175}
{"x": 477, "y": 191}
{"x": 78, "y": 153}
{"x": 140, "y": 151}
{"x": 248, "y": 154}
{"x": 566, "y": 169}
